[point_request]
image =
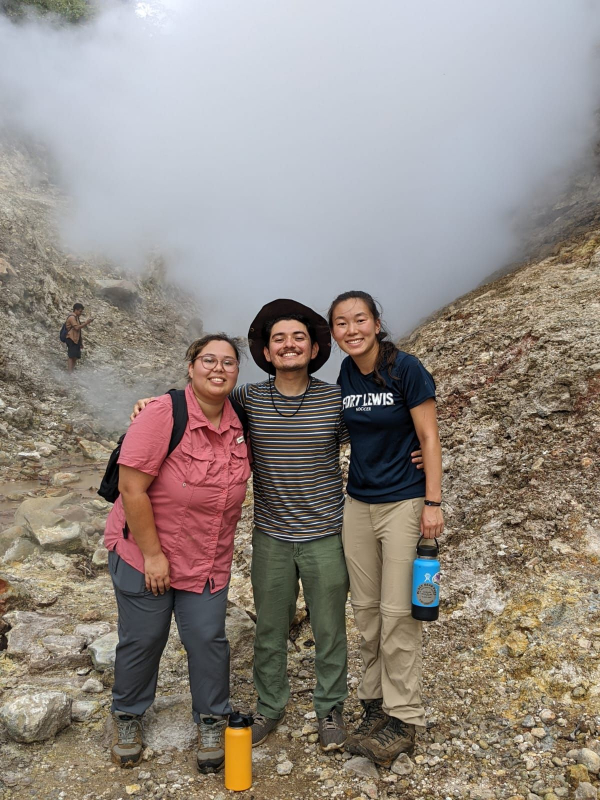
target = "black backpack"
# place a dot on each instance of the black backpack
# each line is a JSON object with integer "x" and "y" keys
{"x": 63, "y": 332}
{"x": 109, "y": 487}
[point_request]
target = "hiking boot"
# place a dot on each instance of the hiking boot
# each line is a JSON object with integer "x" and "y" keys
{"x": 211, "y": 749}
{"x": 332, "y": 731}
{"x": 385, "y": 745}
{"x": 373, "y": 720}
{"x": 126, "y": 748}
{"x": 262, "y": 726}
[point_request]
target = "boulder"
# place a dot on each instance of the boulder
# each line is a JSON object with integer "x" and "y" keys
{"x": 240, "y": 632}
{"x": 19, "y": 550}
{"x": 94, "y": 451}
{"x": 103, "y": 651}
{"x": 35, "y": 717}
{"x": 28, "y": 628}
{"x": 120, "y": 293}
{"x": 41, "y": 517}
{"x": 64, "y": 478}
{"x": 92, "y": 630}
{"x": 168, "y": 724}
{"x": 8, "y": 537}
{"x": 65, "y": 647}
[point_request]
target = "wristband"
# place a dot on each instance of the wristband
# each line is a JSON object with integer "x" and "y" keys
{"x": 432, "y": 503}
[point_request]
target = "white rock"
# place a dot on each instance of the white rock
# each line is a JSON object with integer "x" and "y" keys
{"x": 35, "y": 717}
{"x": 82, "y": 710}
{"x": 92, "y": 686}
{"x": 64, "y": 478}
{"x": 103, "y": 651}
{"x": 585, "y": 791}
{"x": 284, "y": 768}
{"x": 402, "y": 765}
{"x": 91, "y": 630}
{"x": 100, "y": 557}
{"x": 168, "y": 724}
{"x": 361, "y": 766}
{"x": 587, "y": 757}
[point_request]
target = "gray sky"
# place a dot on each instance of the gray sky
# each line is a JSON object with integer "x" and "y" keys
{"x": 304, "y": 148}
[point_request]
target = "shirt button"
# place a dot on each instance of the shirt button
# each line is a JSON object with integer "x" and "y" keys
{"x": 183, "y": 484}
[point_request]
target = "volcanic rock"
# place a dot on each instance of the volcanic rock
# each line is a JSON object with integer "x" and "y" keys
{"x": 37, "y": 716}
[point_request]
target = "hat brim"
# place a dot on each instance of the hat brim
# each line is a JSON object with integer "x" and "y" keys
{"x": 280, "y": 308}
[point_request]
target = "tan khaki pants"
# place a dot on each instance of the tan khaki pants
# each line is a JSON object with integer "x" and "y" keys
{"x": 379, "y": 546}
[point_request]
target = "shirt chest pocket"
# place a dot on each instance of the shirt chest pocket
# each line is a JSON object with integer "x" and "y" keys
{"x": 240, "y": 467}
{"x": 198, "y": 463}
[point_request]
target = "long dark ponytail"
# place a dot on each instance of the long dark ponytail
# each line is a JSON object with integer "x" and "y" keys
{"x": 386, "y": 357}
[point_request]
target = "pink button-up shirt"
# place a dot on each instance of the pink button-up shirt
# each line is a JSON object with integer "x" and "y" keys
{"x": 196, "y": 496}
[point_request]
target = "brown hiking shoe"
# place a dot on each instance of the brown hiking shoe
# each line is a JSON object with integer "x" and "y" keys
{"x": 373, "y": 720}
{"x": 385, "y": 745}
{"x": 126, "y": 748}
{"x": 332, "y": 731}
{"x": 211, "y": 749}
{"x": 263, "y": 726}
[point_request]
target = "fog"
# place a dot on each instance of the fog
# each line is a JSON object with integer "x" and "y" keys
{"x": 304, "y": 148}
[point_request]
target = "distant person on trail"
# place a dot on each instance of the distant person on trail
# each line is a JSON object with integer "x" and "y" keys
{"x": 74, "y": 339}
{"x": 169, "y": 538}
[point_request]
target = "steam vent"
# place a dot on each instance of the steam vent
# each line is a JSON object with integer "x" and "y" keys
{"x": 175, "y": 166}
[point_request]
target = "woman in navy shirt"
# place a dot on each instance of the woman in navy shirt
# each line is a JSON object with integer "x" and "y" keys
{"x": 389, "y": 409}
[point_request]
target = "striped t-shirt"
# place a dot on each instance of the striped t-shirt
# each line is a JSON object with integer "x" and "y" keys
{"x": 296, "y": 459}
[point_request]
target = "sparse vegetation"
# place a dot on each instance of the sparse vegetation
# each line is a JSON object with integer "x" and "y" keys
{"x": 71, "y": 10}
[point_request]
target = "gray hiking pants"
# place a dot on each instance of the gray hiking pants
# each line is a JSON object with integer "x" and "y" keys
{"x": 144, "y": 623}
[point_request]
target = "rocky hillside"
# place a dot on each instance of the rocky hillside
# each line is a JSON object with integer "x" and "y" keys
{"x": 137, "y": 342}
{"x": 513, "y": 665}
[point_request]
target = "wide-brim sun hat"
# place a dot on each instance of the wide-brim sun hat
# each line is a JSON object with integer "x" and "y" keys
{"x": 281, "y": 308}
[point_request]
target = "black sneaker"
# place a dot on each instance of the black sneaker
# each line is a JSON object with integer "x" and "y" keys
{"x": 384, "y": 746}
{"x": 332, "y": 731}
{"x": 211, "y": 749}
{"x": 126, "y": 748}
{"x": 263, "y": 726}
{"x": 373, "y": 720}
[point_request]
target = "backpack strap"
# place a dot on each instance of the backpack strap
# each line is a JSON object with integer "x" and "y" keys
{"x": 242, "y": 416}
{"x": 180, "y": 417}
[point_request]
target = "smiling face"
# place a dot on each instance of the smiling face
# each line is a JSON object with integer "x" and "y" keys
{"x": 290, "y": 348}
{"x": 213, "y": 383}
{"x": 354, "y": 328}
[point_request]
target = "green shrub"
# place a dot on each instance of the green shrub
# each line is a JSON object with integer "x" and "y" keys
{"x": 71, "y": 10}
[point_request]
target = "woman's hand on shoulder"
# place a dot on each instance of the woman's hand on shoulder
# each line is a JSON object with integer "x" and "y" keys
{"x": 140, "y": 406}
{"x": 156, "y": 571}
{"x": 432, "y": 522}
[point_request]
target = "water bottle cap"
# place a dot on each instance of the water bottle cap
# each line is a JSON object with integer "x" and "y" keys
{"x": 428, "y": 548}
{"x": 237, "y": 720}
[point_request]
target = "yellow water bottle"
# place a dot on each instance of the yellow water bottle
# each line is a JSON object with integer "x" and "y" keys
{"x": 238, "y": 753}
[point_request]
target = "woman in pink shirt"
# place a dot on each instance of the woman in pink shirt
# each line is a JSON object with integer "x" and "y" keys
{"x": 170, "y": 541}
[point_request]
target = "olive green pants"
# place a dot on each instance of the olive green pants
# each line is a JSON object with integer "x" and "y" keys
{"x": 277, "y": 567}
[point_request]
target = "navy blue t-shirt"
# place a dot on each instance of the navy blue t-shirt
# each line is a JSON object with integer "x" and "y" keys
{"x": 381, "y": 429}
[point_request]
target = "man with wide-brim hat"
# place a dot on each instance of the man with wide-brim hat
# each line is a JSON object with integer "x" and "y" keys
{"x": 296, "y": 429}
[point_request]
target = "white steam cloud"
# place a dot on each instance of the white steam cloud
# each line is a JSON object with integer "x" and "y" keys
{"x": 308, "y": 147}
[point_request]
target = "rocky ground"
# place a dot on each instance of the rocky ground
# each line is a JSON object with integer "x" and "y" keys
{"x": 512, "y": 665}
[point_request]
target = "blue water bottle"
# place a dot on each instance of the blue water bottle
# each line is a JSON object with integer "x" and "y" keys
{"x": 426, "y": 581}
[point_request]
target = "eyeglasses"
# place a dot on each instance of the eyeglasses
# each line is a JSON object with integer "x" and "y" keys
{"x": 210, "y": 362}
